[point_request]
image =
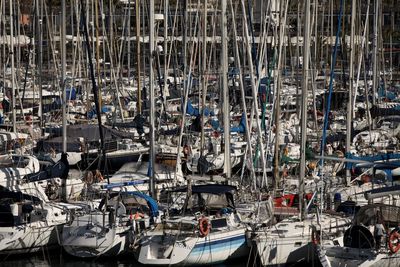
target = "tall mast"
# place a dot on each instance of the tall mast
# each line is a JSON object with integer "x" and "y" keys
{"x": 224, "y": 72}
{"x": 304, "y": 101}
{"x": 13, "y": 96}
{"x": 64, "y": 94}
{"x": 39, "y": 29}
{"x": 129, "y": 42}
{"x": 139, "y": 97}
{"x": 63, "y": 69}
{"x": 351, "y": 84}
{"x": 203, "y": 84}
{"x": 166, "y": 4}
{"x": 152, "y": 107}
{"x": 96, "y": 4}
{"x": 375, "y": 54}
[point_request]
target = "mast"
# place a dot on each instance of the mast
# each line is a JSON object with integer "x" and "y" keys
{"x": 39, "y": 29}
{"x": 203, "y": 84}
{"x": 11, "y": 51}
{"x": 64, "y": 93}
{"x": 129, "y": 42}
{"x": 375, "y": 54}
{"x": 277, "y": 85}
{"x": 152, "y": 106}
{"x": 139, "y": 89}
{"x": 243, "y": 97}
{"x": 224, "y": 64}
{"x": 96, "y": 4}
{"x": 166, "y": 4}
{"x": 304, "y": 101}
{"x": 351, "y": 74}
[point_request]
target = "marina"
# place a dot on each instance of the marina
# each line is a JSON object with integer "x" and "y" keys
{"x": 199, "y": 133}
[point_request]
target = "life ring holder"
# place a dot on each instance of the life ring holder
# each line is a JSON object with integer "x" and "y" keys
{"x": 204, "y": 226}
{"x": 394, "y": 235}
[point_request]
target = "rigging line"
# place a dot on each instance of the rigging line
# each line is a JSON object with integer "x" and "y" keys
{"x": 332, "y": 76}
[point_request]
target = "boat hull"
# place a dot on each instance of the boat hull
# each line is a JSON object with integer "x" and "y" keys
{"x": 215, "y": 248}
{"x": 28, "y": 238}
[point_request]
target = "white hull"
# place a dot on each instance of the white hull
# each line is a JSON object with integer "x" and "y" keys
{"x": 217, "y": 247}
{"x": 86, "y": 238}
{"x": 337, "y": 256}
{"x": 28, "y": 238}
{"x": 289, "y": 242}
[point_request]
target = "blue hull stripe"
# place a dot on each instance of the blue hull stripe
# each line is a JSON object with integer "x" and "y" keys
{"x": 220, "y": 245}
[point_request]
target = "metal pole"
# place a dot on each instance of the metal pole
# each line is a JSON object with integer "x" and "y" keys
{"x": 204, "y": 90}
{"x": 351, "y": 84}
{"x": 64, "y": 94}
{"x": 139, "y": 89}
{"x": 11, "y": 51}
{"x": 39, "y": 24}
{"x": 224, "y": 73}
{"x": 152, "y": 105}
{"x": 375, "y": 53}
{"x": 304, "y": 101}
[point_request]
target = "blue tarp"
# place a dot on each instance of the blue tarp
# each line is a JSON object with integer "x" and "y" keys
{"x": 240, "y": 128}
{"x": 190, "y": 110}
{"x": 71, "y": 93}
{"x": 153, "y": 206}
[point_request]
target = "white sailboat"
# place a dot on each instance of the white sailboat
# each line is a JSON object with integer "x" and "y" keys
{"x": 28, "y": 223}
{"x": 290, "y": 241}
{"x": 207, "y": 231}
{"x": 362, "y": 244}
{"x": 108, "y": 230}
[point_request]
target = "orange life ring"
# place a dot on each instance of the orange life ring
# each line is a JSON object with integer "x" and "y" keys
{"x": 204, "y": 226}
{"x": 315, "y": 236}
{"x": 394, "y": 240}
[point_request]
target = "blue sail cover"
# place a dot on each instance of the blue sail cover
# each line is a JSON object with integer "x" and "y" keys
{"x": 190, "y": 110}
{"x": 241, "y": 128}
{"x": 381, "y": 157}
{"x": 153, "y": 206}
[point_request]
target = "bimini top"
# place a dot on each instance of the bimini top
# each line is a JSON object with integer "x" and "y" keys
{"x": 208, "y": 188}
{"x": 373, "y": 213}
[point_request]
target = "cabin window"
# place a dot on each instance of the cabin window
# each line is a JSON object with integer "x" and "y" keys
{"x": 279, "y": 231}
{"x": 219, "y": 223}
{"x": 297, "y": 244}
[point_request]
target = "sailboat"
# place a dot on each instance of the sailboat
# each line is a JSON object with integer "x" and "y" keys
{"x": 27, "y": 223}
{"x": 207, "y": 230}
{"x": 362, "y": 244}
{"x": 112, "y": 227}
